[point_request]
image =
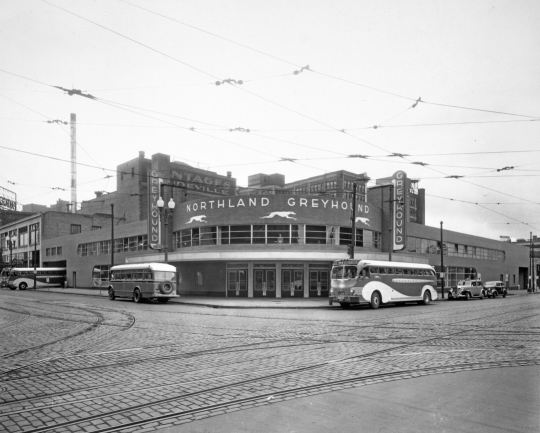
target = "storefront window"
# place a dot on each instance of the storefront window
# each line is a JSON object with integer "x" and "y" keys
{"x": 208, "y": 235}
{"x": 279, "y": 234}
{"x": 240, "y": 234}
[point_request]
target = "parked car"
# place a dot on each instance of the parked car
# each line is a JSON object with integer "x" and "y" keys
{"x": 495, "y": 288}
{"x": 467, "y": 289}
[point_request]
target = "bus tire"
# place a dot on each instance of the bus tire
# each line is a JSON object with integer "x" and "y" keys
{"x": 23, "y": 286}
{"x": 375, "y": 300}
{"x": 111, "y": 294}
{"x": 345, "y": 305}
{"x": 426, "y": 299}
{"x": 163, "y": 300}
{"x": 137, "y": 296}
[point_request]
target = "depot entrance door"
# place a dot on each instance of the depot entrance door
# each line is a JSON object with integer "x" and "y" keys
{"x": 237, "y": 285}
{"x": 264, "y": 283}
{"x": 318, "y": 283}
{"x": 292, "y": 283}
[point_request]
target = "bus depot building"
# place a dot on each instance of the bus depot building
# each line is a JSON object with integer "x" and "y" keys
{"x": 272, "y": 239}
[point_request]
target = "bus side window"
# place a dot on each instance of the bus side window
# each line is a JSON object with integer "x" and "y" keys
{"x": 383, "y": 271}
{"x": 373, "y": 271}
{"x": 391, "y": 271}
{"x": 363, "y": 273}
{"x": 406, "y": 272}
{"x": 399, "y": 271}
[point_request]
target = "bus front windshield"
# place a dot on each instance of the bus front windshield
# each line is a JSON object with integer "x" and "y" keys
{"x": 164, "y": 275}
{"x": 343, "y": 272}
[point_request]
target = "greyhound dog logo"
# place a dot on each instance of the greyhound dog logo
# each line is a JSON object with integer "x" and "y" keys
{"x": 281, "y": 214}
{"x": 362, "y": 220}
{"x": 198, "y": 218}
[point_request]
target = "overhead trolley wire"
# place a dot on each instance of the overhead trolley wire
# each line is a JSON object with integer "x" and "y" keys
{"x": 132, "y": 40}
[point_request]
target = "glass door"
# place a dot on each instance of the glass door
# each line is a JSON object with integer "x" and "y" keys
{"x": 237, "y": 283}
{"x": 318, "y": 283}
{"x": 292, "y": 283}
{"x": 264, "y": 283}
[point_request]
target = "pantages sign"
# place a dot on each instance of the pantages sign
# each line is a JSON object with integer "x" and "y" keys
{"x": 218, "y": 185}
{"x": 154, "y": 226}
{"x": 399, "y": 217}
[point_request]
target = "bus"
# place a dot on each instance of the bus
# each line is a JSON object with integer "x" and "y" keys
{"x": 374, "y": 282}
{"x": 143, "y": 281}
{"x": 23, "y": 278}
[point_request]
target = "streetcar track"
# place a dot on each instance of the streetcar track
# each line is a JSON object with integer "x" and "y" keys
{"x": 431, "y": 370}
{"x": 224, "y": 350}
{"x": 405, "y": 341}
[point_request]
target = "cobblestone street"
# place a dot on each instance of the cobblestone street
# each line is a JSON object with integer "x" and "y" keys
{"x": 72, "y": 363}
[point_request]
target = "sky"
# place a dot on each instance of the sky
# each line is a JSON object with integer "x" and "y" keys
{"x": 452, "y": 85}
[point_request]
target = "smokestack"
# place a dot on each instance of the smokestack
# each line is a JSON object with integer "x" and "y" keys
{"x": 73, "y": 121}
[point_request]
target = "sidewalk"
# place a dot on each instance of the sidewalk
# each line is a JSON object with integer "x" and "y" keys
{"x": 214, "y": 302}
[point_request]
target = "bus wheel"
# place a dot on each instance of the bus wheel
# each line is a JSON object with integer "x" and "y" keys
{"x": 345, "y": 305}
{"x": 163, "y": 300}
{"x": 137, "y": 296}
{"x": 426, "y": 300}
{"x": 23, "y": 286}
{"x": 375, "y": 300}
{"x": 111, "y": 294}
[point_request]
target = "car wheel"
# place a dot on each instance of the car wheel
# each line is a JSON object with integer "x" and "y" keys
{"x": 111, "y": 294}
{"x": 482, "y": 294}
{"x": 137, "y": 296}
{"x": 375, "y": 301}
{"x": 495, "y": 295}
{"x": 23, "y": 286}
{"x": 504, "y": 294}
{"x": 467, "y": 296}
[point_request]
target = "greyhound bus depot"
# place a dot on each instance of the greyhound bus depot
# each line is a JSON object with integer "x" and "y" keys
{"x": 271, "y": 239}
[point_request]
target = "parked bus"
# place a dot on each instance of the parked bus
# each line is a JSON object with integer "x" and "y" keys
{"x": 143, "y": 281}
{"x": 23, "y": 278}
{"x": 4, "y": 274}
{"x": 373, "y": 282}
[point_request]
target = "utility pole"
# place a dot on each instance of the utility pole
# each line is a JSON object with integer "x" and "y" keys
{"x": 442, "y": 263}
{"x": 112, "y": 239}
{"x": 353, "y": 224}
{"x": 73, "y": 125}
{"x": 391, "y": 200}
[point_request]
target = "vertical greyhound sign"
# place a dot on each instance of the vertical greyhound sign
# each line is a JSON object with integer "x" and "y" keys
{"x": 154, "y": 226}
{"x": 399, "y": 216}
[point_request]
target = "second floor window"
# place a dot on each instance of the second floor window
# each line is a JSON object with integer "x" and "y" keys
{"x": 75, "y": 228}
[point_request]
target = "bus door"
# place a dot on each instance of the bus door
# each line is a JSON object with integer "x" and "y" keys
{"x": 265, "y": 283}
{"x": 237, "y": 283}
{"x": 318, "y": 283}
{"x": 292, "y": 283}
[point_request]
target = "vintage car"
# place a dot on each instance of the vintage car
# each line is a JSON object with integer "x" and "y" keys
{"x": 467, "y": 289}
{"x": 495, "y": 288}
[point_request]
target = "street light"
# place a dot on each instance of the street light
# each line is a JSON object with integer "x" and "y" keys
{"x": 165, "y": 214}
{"x": 11, "y": 244}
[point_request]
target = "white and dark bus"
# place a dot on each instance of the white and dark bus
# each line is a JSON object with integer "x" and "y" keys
{"x": 143, "y": 281}
{"x": 373, "y": 282}
{"x": 23, "y": 278}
